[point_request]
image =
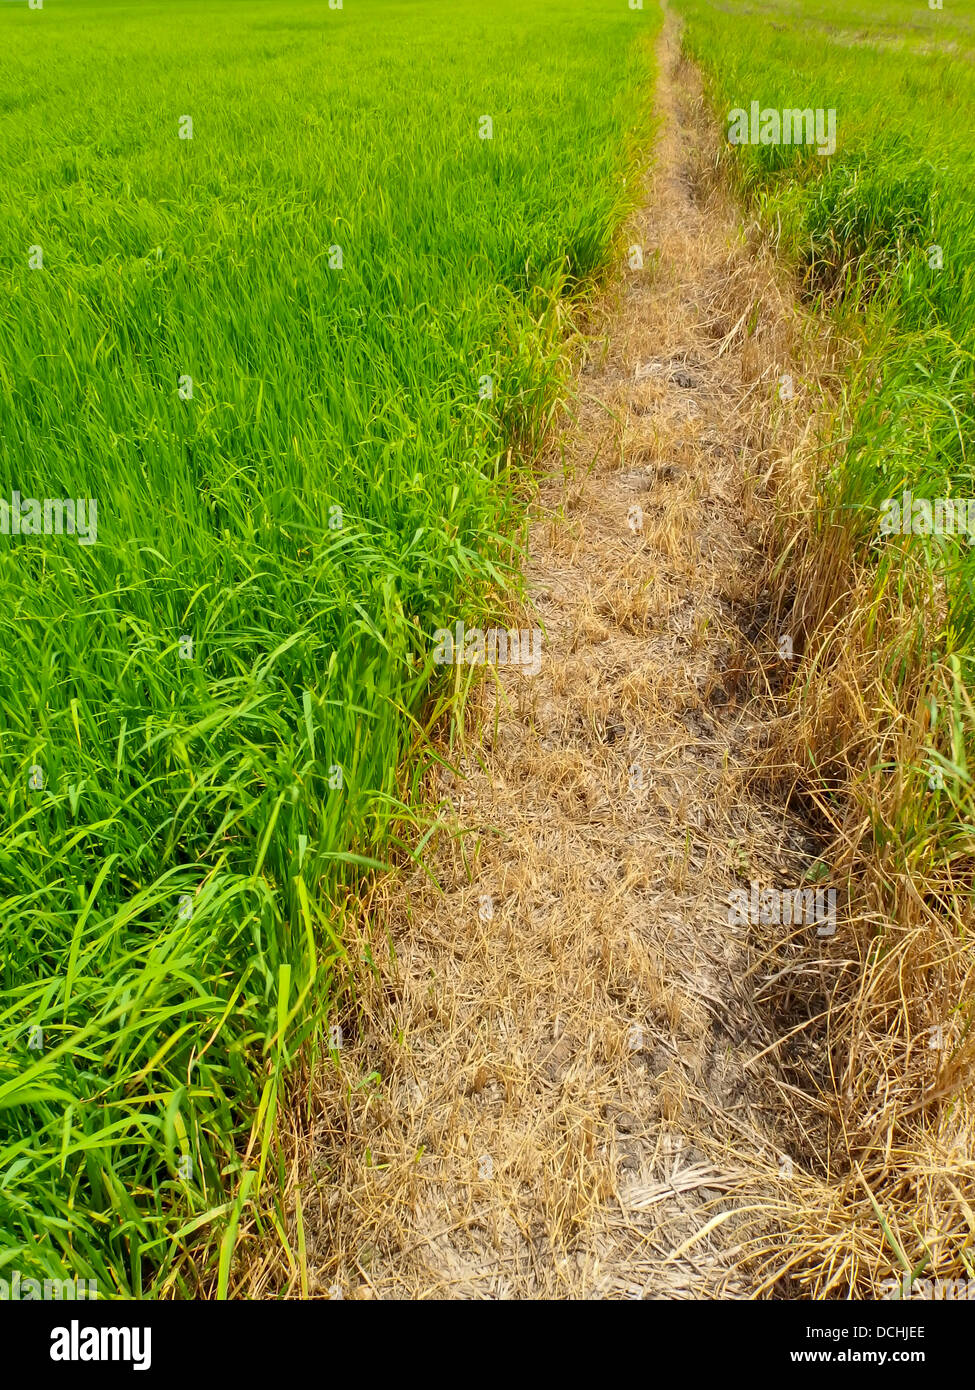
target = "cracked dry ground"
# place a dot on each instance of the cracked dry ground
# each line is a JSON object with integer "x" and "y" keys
{"x": 576, "y": 1090}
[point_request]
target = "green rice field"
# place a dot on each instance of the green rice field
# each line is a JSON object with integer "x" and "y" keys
{"x": 285, "y": 293}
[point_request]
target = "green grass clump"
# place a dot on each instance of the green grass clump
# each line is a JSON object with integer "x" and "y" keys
{"x": 266, "y": 351}
{"x": 861, "y": 226}
{"x": 882, "y": 235}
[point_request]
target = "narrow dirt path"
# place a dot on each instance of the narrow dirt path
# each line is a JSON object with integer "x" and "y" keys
{"x": 576, "y": 1090}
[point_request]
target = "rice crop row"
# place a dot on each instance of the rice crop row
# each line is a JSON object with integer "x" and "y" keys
{"x": 283, "y": 293}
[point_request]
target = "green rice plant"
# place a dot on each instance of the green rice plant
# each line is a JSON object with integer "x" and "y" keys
{"x": 272, "y": 299}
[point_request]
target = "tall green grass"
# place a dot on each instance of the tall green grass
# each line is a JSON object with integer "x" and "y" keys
{"x": 882, "y": 236}
{"x": 861, "y": 226}
{"x": 182, "y": 817}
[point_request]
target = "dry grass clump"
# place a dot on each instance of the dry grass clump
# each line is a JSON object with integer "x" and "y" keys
{"x": 567, "y": 1074}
